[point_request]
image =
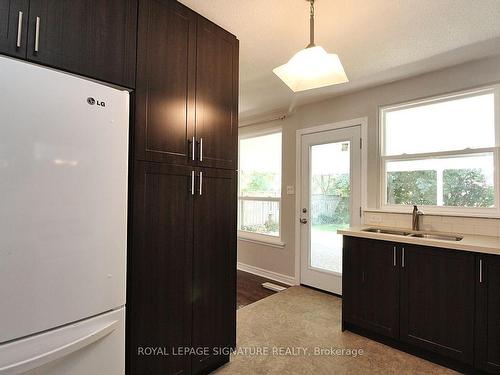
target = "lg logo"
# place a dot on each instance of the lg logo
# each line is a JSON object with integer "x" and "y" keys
{"x": 92, "y": 101}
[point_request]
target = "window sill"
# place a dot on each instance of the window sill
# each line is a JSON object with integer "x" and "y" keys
{"x": 261, "y": 240}
{"x": 494, "y": 214}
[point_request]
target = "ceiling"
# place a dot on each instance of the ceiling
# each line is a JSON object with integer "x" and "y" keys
{"x": 377, "y": 40}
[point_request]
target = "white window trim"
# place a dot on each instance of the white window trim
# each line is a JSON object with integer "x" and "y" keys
{"x": 260, "y": 238}
{"x": 442, "y": 210}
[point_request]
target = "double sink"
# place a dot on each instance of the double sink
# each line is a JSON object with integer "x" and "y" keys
{"x": 427, "y": 235}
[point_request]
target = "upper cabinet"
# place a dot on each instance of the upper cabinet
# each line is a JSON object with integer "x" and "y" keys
{"x": 187, "y": 88}
{"x": 216, "y": 96}
{"x": 94, "y": 38}
{"x": 165, "y": 92}
{"x": 13, "y": 27}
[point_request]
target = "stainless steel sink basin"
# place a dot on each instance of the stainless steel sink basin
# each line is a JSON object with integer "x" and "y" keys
{"x": 387, "y": 231}
{"x": 444, "y": 237}
{"x": 431, "y": 236}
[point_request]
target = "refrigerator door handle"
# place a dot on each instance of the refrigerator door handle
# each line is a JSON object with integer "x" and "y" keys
{"x": 59, "y": 352}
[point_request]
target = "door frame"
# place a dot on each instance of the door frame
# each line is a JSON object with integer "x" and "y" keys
{"x": 363, "y": 123}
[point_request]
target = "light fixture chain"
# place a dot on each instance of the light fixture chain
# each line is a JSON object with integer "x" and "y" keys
{"x": 311, "y": 24}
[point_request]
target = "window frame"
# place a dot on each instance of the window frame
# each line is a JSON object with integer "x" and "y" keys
{"x": 248, "y": 236}
{"x": 442, "y": 210}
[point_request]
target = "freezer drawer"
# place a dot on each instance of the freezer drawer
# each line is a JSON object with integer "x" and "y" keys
{"x": 92, "y": 346}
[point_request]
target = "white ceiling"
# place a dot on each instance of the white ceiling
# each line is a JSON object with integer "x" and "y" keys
{"x": 377, "y": 41}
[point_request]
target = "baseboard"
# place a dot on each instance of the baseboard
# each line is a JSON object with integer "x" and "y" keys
{"x": 284, "y": 279}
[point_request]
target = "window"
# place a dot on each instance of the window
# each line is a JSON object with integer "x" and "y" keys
{"x": 260, "y": 185}
{"x": 441, "y": 153}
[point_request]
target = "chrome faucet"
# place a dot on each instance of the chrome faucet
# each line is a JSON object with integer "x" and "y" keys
{"x": 415, "y": 218}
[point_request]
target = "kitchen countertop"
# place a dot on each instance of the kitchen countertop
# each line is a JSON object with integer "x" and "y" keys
{"x": 473, "y": 243}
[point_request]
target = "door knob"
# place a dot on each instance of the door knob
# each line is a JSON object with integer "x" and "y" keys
{"x": 303, "y": 221}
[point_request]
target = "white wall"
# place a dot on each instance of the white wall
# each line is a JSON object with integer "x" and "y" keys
{"x": 364, "y": 103}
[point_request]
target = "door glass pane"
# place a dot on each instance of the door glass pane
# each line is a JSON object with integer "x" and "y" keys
{"x": 329, "y": 203}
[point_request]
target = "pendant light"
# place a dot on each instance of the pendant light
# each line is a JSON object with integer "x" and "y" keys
{"x": 312, "y": 67}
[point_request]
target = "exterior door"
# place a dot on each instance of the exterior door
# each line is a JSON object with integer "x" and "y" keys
{"x": 13, "y": 27}
{"x": 330, "y": 200}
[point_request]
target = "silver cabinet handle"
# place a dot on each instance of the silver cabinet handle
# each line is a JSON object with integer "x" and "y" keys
{"x": 193, "y": 149}
{"x": 37, "y": 34}
{"x": 19, "y": 29}
{"x": 403, "y": 257}
{"x": 201, "y": 149}
{"x": 394, "y": 256}
{"x": 192, "y": 182}
{"x": 480, "y": 271}
{"x": 201, "y": 182}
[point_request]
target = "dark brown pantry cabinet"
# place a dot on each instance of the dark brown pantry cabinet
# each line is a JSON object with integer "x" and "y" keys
{"x": 182, "y": 262}
{"x": 182, "y": 268}
{"x": 488, "y": 313}
{"x": 94, "y": 38}
{"x": 187, "y": 88}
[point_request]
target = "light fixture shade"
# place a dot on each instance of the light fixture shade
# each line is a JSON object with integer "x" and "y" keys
{"x": 312, "y": 68}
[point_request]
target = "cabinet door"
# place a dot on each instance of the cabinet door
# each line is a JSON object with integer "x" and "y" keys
{"x": 371, "y": 277}
{"x": 216, "y": 96}
{"x": 488, "y": 313}
{"x": 160, "y": 269}
{"x": 13, "y": 27}
{"x": 437, "y": 301}
{"x": 94, "y": 38}
{"x": 352, "y": 280}
{"x": 165, "y": 82}
{"x": 214, "y": 288}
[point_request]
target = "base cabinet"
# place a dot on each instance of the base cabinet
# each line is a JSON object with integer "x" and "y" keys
{"x": 442, "y": 302}
{"x": 371, "y": 299}
{"x": 437, "y": 301}
{"x": 488, "y": 314}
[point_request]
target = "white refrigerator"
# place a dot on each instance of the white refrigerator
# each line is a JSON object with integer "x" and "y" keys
{"x": 63, "y": 222}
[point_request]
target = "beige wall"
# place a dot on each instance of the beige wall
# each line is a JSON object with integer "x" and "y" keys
{"x": 359, "y": 104}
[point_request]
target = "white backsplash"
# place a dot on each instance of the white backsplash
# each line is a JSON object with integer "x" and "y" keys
{"x": 454, "y": 224}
